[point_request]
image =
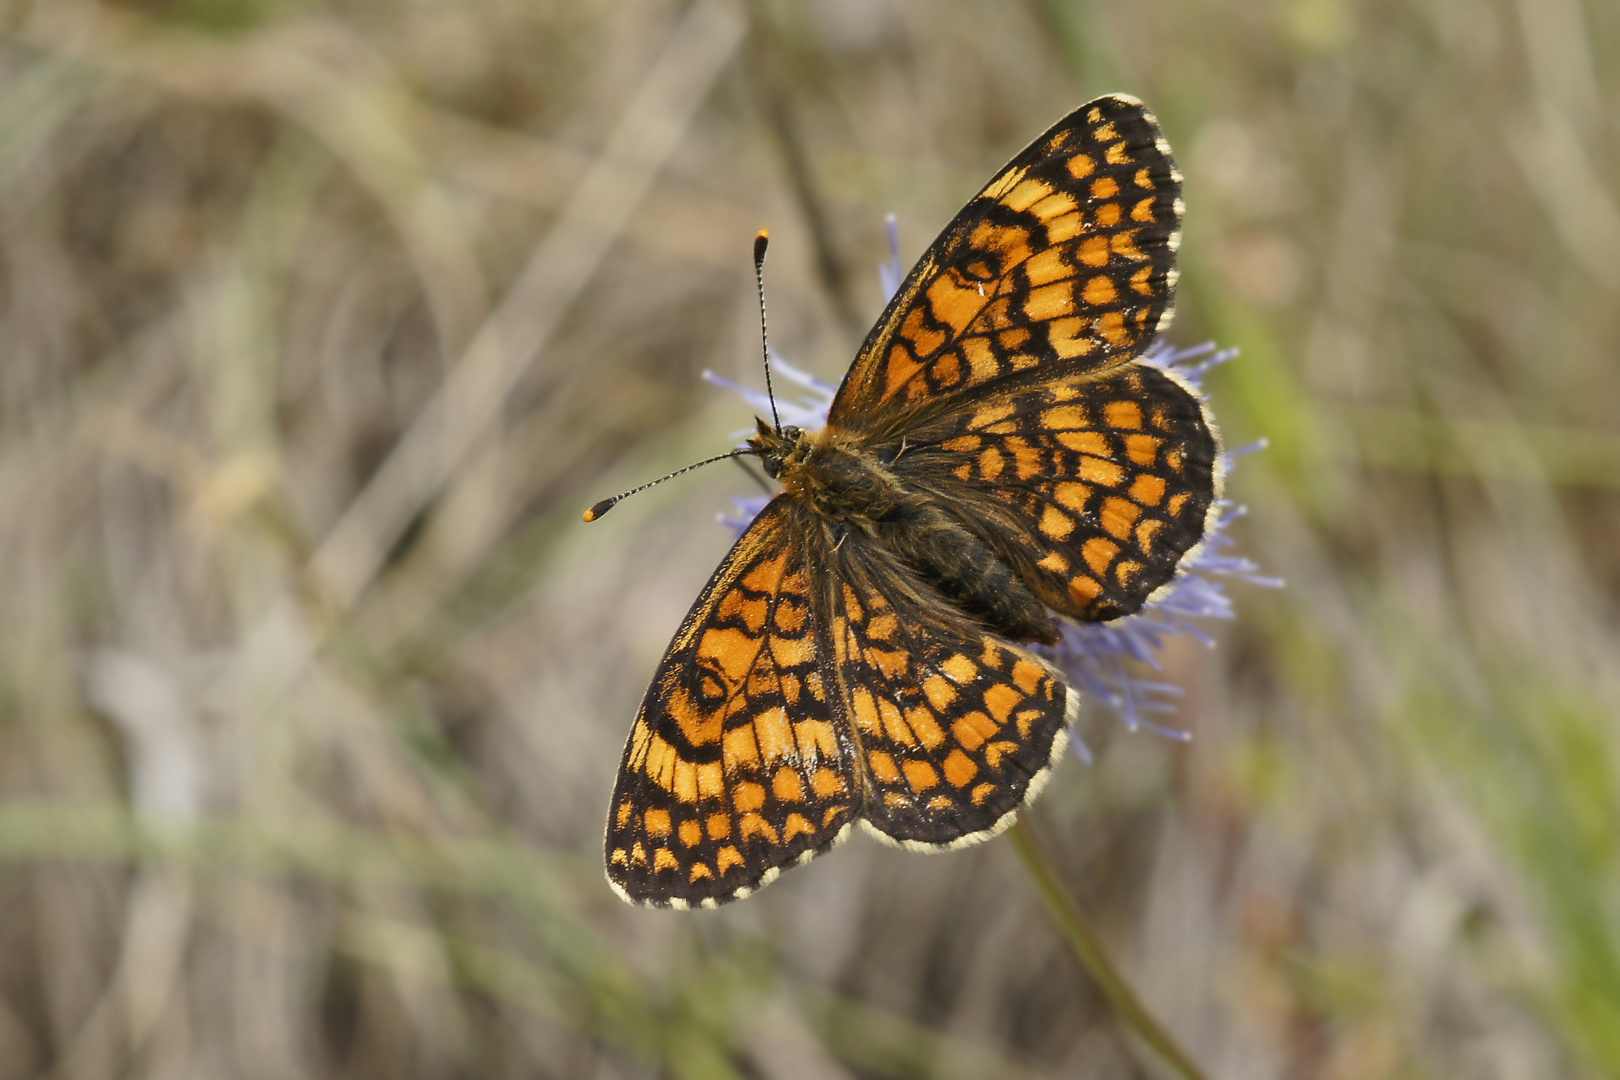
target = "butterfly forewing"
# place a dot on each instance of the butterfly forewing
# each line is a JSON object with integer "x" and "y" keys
{"x": 740, "y": 760}
{"x": 1065, "y": 261}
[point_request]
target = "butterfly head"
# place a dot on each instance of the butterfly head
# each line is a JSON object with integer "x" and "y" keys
{"x": 778, "y": 447}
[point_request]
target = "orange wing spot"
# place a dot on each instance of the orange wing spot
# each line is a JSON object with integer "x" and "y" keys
{"x": 698, "y": 872}
{"x": 640, "y": 743}
{"x": 754, "y": 825}
{"x": 896, "y": 801}
{"x": 788, "y": 785}
{"x": 826, "y": 783}
{"x": 1054, "y": 563}
{"x": 1177, "y": 501}
{"x": 691, "y": 833}
{"x": 960, "y": 669}
{"x": 788, "y": 618}
{"x": 719, "y": 826}
{"x": 1001, "y": 699}
{"x": 1095, "y": 250}
{"x": 991, "y": 463}
{"x": 981, "y": 358}
{"x": 1083, "y": 590}
{"x": 1112, "y": 327}
{"x": 981, "y": 420}
{"x": 792, "y": 652}
{"x": 981, "y": 793}
{"x": 638, "y": 854}
{"x": 619, "y": 857}
{"x": 954, "y": 305}
{"x": 1118, "y": 517}
{"x": 959, "y": 769}
{"x": 882, "y": 766}
{"x": 924, "y": 723}
{"x": 1123, "y": 244}
{"x": 947, "y": 371}
{"x": 1108, "y": 215}
{"x": 1012, "y": 340}
{"x": 1146, "y": 534}
{"x": 1142, "y": 281}
{"x": 661, "y": 760}
{"x": 664, "y": 859}
{"x": 962, "y": 444}
{"x": 1011, "y": 243}
{"x": 748, "y": 796}
{"x": 1066, "y": 417}
{"x": 790, "y": 689}
{"x": 1026, "y": 721}
{"x": 1081, "y": 166}
{"x": 657, "y": 823}
{"x": 740, "y": 748}
{"x": 1144, "y": 177}
{"x": 1062, "y": 229}
{"x": 963, "y": 471}
{"x": 1098, "y": 553}
{"x": 1069, "y": 337}
{"x": 762, "y": 681}
{"x": 1055, "y": 205}
{"x": 974, "y": 729}
{"x": 817, "y": 739}
{"x": 924, "y": 338}
{"x": 1072, "y": 496}
{"x": 733, "y": 650}
{"x": 1045, "y": 267}
{"x": 711, "y": 780}
{"x": 1028, "y": 675}
{"x": 921, "y": 775}
{"x": 1175, "y": 458}
{"x": 1122, "y": 415}
{"x": 1099, "y": 291}
{"x": 1104, "y": 187}
{"x": 892, "y": 662}
{"x": 894, "y": 724}
{"x": 1143, "y": 450}
{"x": 795, "y": 825}
{"x": 775, "y": 733}
{"x": 882, "y": 627}
{"x": 1008, "y": 180}
{"x": 624, "y": 814}
{"x": 765, "y": 576}
{"x": 1084, "y": 442}
{"x": 1116, "y": 154}
{"x": 828, "y": 814}
{"x": 1125, "y": 572}
{"x": 1026, "y": 194}
{"x": 1055, "y": 524}
{"x": 991, "y": 657}
{"x": 866, "y": 714}
{"x": 941, "y": 802}
{"x": 1049, "y": 302}
{"x": 994, "y": 752}
{"x": 940, "y": 694}
{"x": 727, "y": 857}
{"x": 1096, "y": 470}
{"x": 1143, "y": 211}
{"x": 1029, "y": 462}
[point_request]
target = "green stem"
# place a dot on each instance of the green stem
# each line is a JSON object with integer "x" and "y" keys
{"x": 1091, "y": 955}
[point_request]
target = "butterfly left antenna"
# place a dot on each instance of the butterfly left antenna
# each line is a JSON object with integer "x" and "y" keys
{"x": 761, "y": 242}
{"x": 598, "y": 509}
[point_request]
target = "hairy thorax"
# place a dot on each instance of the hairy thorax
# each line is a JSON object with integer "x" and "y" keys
{"x": 854, "y": 489}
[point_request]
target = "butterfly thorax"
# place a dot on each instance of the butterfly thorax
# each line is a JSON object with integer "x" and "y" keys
{"x": 849, "y": 485}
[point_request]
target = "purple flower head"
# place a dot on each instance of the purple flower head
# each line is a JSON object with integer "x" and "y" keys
{"x": 1101, "y": 659}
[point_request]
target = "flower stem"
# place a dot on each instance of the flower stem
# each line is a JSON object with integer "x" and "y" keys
{"x": 1091, "y": 955}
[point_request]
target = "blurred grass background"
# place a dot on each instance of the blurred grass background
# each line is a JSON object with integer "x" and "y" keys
{"x": 320, "y": 322}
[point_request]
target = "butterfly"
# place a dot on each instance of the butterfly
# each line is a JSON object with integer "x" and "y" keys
{"x": 996, "y": 457}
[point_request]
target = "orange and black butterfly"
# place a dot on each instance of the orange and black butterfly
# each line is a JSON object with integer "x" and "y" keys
{"x": 996, "y": 456}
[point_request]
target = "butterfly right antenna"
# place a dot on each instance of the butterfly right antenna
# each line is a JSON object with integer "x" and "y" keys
{"x": 760, "y": 243}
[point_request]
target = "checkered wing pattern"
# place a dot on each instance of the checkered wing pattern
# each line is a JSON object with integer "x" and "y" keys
{"x": 1094, "y": 486}
{"x": 739, "y": 762}
{"x": 956, "y": 727}
{"x": 1065, "y": 261}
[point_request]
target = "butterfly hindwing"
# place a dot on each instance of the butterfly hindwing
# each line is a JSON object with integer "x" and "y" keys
{"x": 1066, "y": 260}
{"x": 1094, "y": 486}
{"x": 956, "y": 728}
{"x": 738, "y": 762}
